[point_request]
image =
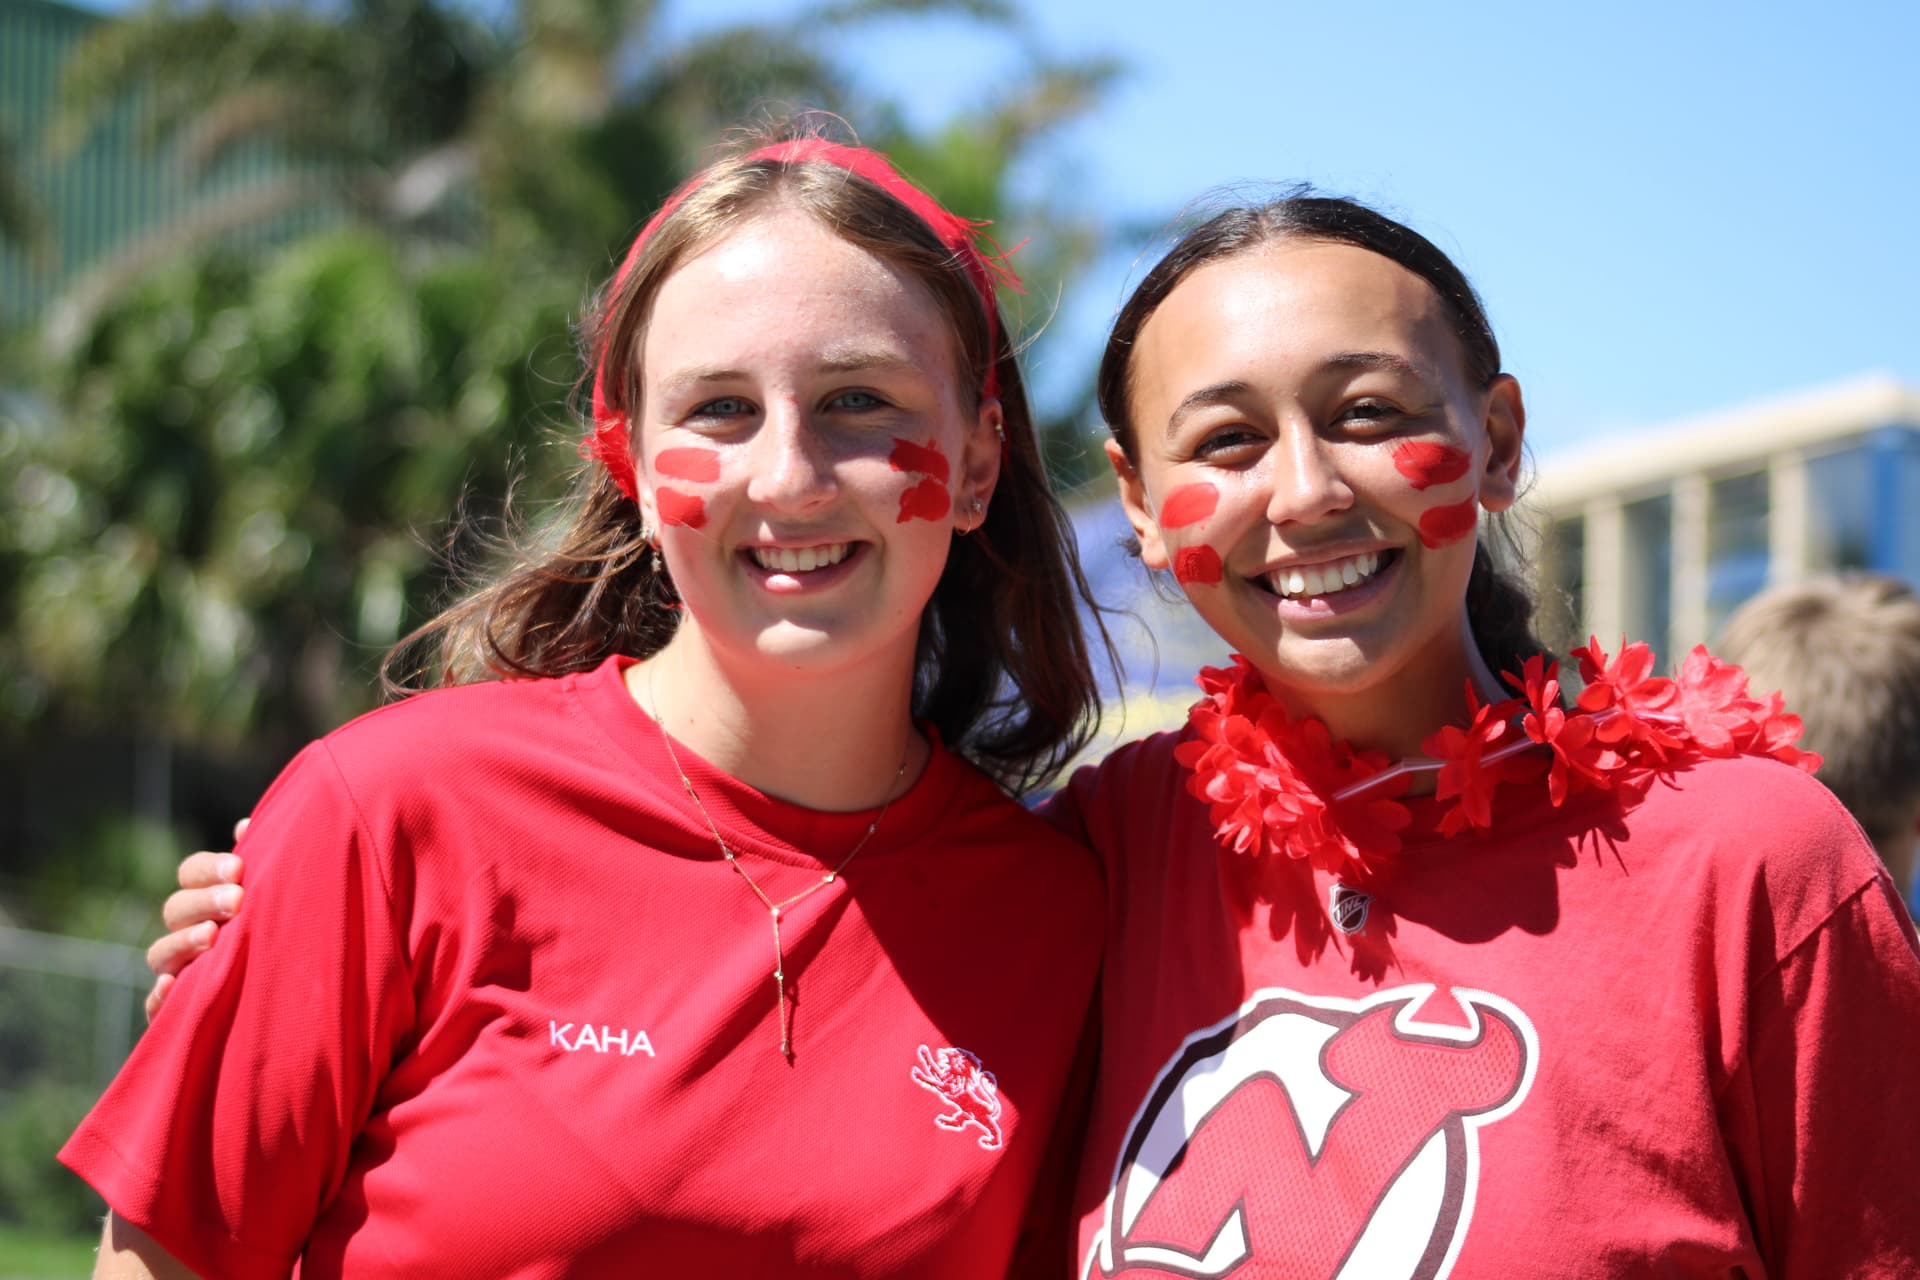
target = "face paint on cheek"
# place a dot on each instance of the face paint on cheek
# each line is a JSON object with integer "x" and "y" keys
{"x": 1196, "y": 565}
{"x": 928, "y": 500}
{"x": 921, "y": 459}
{"x": 1426, "y": 464}
{"x": 687, "y": 509}
{"x": 1189, "y": 504}
{"x": 1444, "y": 525}
{"x": 702, "y": 466}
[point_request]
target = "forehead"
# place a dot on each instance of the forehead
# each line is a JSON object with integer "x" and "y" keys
{"x": 783, "y": 285}
{"x": 1289, "y": 308}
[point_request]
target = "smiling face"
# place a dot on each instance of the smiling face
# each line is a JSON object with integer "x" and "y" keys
{"x": 806, "y": 449}
{"x": 1311, "y": 460}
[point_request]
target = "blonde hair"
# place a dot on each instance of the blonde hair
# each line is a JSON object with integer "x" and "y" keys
{"x": 1844, "y": 651}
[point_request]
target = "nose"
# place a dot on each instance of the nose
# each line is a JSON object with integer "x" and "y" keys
{"x": 1307, "y": 484}
{"x": 792, "y": 466}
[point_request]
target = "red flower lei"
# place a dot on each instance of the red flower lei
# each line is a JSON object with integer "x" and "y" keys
{"x": 1276, "y": 785}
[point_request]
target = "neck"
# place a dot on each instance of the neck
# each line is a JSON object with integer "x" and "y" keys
{"x": 1397, "y": 716}
{"x": 831, "y": 741}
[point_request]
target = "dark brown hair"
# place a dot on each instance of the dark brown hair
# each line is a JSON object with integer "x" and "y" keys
{"x": 1499, "y": 606}
{"x": 1003, "y": 670}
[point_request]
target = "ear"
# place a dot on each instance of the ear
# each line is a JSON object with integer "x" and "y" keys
{"x": 980, "y": 464}
{"x": 1133, "y": 497}
{"x": 1505, "y": 423}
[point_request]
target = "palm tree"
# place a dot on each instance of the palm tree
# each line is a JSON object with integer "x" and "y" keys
{"x": 255, "y": 444}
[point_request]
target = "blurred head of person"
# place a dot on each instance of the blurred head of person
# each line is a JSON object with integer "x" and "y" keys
{"x": 1844, "y": 652}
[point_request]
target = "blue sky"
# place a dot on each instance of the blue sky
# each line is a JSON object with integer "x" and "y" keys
{"x": 1670, "y": 208}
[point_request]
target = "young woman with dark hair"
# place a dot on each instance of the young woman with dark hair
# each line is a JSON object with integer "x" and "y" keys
{"x": 681, "y": 933}
{"x": 1420, "y": 968}
{"x": 1416, "y": 966}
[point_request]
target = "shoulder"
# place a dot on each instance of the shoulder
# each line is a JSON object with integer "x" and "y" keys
{"x": 1770, "y": 850}
{"x": 443, "y": 733}
{"x": 1134, "y": 798}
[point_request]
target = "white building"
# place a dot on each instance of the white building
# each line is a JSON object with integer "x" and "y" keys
{"x": 1659, "y": 535}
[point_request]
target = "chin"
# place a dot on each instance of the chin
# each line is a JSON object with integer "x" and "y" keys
{"x": 1335, "y": 668}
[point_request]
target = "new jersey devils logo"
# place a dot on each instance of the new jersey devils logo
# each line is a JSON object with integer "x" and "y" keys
{"x": 1316, "y": 1138}
{"x": 964, "y": 1085}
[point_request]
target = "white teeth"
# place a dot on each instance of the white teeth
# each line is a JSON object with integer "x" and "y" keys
{"x": 1324, "y": 579}
{"x": 800, "y": 560}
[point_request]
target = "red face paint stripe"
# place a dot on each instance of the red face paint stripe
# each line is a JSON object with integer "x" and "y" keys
{"x": 921, "y": 459}
{"x": 687, "y": 509}
{"x": 1443, "y": 525}
{"x": 1196, "y": 565}
{"x": 702, "y": 466}
{"x": 1426, "y": 464}
{"x": 928, "y": 500}
{"x": 1188, "y": 504}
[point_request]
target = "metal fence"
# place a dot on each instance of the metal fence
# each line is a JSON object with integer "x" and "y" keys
{"x": 70, "y": 1008}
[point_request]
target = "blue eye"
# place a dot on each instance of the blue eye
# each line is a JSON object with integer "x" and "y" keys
{"x": 857, "y": 401}
{"x": 724, "y": 407}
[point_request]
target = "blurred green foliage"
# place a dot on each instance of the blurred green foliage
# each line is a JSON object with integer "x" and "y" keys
{"x": 230, "y": 489}
{"x": 230, "y": 463}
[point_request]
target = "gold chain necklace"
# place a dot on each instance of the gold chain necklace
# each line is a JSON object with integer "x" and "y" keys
{"x": 774, "y": 909}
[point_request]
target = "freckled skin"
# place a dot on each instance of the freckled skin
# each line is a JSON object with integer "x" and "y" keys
{"x": 679, "y": 508}
{"x": 1442, "y": 526}
{"x": 1426, "y": 464}
{"x": 1196, "y": 565}
{"x": 928, "y": 500}
{"x": 921, "y": 459}
{"x": 1188, "y": 504}
{"x": 702, "y": 466}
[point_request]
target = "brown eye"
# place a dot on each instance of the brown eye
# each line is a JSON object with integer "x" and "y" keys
{"x": 1227, "y": 442}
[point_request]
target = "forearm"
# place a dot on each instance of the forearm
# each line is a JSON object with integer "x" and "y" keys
{"x": 128, "y": 1253}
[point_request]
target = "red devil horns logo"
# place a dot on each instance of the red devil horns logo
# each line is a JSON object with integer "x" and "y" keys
{"x": 1308, "y": 1137}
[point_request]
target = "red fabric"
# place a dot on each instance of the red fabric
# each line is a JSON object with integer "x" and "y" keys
{"x": 364, "y": 1074}
{"x": 1675, "y": 1042}
{"x": 610, "y": 442}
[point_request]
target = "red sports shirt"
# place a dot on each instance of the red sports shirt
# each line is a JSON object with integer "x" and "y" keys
{"x": 1682, "y": 1042}
{"x": 497, "y": 1007}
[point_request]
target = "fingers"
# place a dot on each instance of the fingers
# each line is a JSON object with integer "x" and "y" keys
{"x": 174, "y": 952}
{"x": 158, "y": 996}
{"x": 209, "y": 892}
{"x": 204, "y": 870}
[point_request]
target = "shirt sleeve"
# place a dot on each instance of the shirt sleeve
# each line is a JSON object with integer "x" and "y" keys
{"x": 1821, "y": 1121}
{"x": 228, "y": 1129}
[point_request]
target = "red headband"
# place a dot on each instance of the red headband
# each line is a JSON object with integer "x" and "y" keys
{"x": 609, "y": 441}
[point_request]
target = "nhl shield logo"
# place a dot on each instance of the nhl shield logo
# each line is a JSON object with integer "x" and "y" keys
{"x": 1348, "y": 907}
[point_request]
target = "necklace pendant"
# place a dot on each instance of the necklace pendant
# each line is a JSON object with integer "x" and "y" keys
{"x": 1348, "y": 907}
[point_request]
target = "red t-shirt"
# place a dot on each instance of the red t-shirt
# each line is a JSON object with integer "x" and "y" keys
{"x": 1676, "y": 1042}
{"x": 496, "y": 1006}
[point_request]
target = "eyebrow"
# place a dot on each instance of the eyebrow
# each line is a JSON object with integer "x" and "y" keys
{"x": 1227, "y": 392}
{"x": 1384, "y": 361}
{"x": 850, "y": 361}
{"x": 1206, "y": 397}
